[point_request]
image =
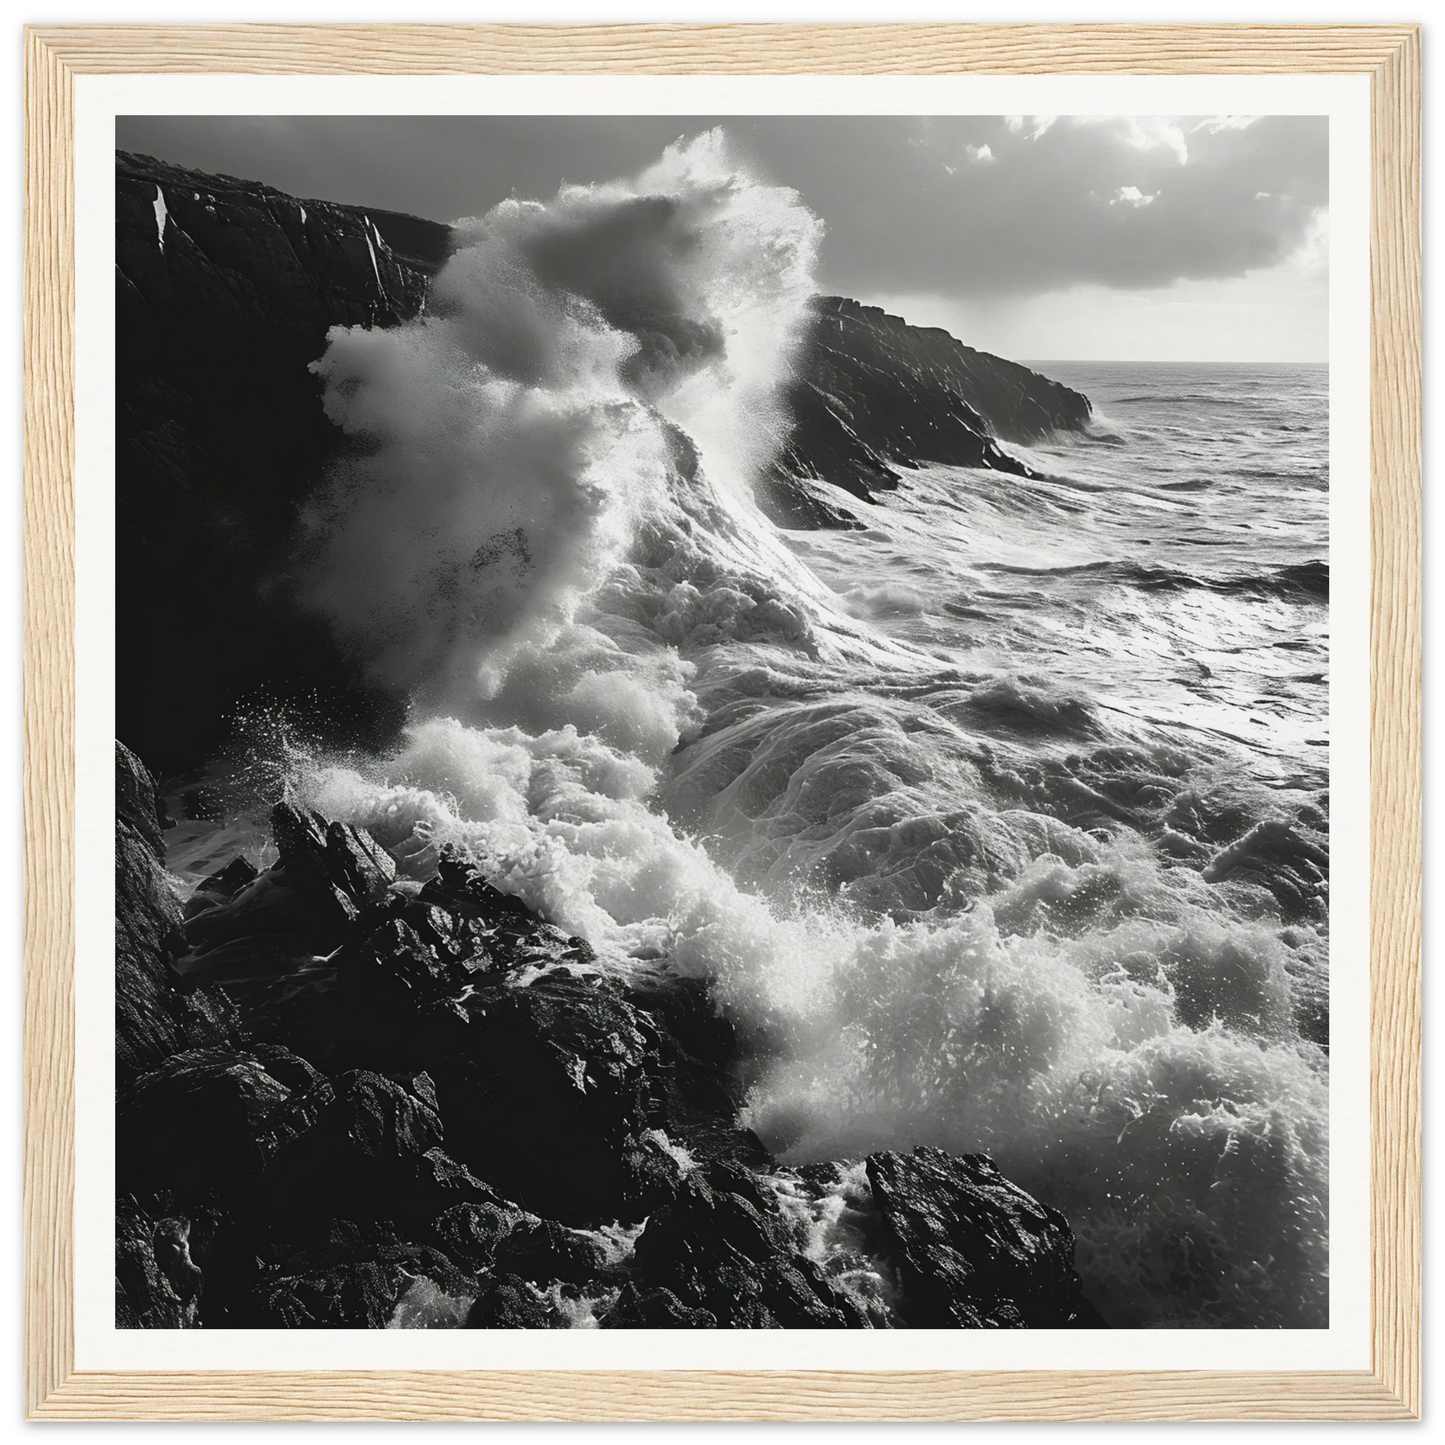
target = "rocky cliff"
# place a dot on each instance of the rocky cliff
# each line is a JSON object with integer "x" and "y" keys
{"x": 357, "y": 1091}
{"x": 873, "y": 393}
{"x": 225, "y": 290}
{"x": 224, "y": 293}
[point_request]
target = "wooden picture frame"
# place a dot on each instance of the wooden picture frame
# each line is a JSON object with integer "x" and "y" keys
{"x": 1390, "y": 57}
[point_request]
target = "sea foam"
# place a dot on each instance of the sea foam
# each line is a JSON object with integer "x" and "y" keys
{"x": 935, "y": 890}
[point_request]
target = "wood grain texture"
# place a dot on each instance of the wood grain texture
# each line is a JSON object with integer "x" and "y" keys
{"x": 1391, "y": 1390}
{"x": 724, "y": 1395}
{"x": 1395, "y": 670}
{"x": 49, "y": 721}
{"x": 726, "y": 49}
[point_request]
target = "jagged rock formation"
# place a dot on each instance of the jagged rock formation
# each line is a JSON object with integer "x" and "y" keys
{"x": 225, "y": 290}
{"x": 874, "y": 393}
{"x": 352, "y": 1097}
{"x": 153, "y": 1020}
{"x": 972, "y": 1249}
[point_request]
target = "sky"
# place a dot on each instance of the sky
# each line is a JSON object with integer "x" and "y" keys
{"x": 1137, "y": 238}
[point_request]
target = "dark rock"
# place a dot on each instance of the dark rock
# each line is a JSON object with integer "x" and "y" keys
{"x": 418, "y": 956}
{"x": 472, "y": 1232}
{"x": 374, "y": 1152}
{"x": 337, "y": 868}
{"x": 158, "y": 1285}
{"x": 795, "y": 499}
{"x": 152, "y": 1020}
{"x": 171, "y": 1245}
{"x": 699, "y": 1051}
{"x": 188, "y": 1254}
{"x": 702, "y": 1089}
{"x": 509, "y": 1303}
{"x": 717, "y": 1251}
{"x": 459, "y": 945}
{"x": 331, "y": 855}
{"x": 221, "y": 886}
{"x": 137, "y": 803}
{"x": 501, "y": 1239}
{"x": 873, "y": 393}
{"x": 652, "y": 1172}
{"x": 727, "y": 1143}
{"x": 208, "y": 1121}
{"x": 244, "y": 1254}
{"x": 726, "y": 1177}
{"x": 655, "y": 1309}
{"x": 297, "y": 911}
{"x": 460, "y": 887}
{"x": 357, "y": 1294}
{"x": 289, "y": 918}
{"x": 548, "y": 1089}
{"x": 250, "y": 958}
{"x": 224, "y": 297}
{"x": 545, "y": 1251}
{"x": 971, "y": 1249}
{"x": 412, "y": 962}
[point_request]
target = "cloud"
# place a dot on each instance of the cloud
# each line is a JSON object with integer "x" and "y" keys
{"x": 1154, "y": 133}
{"x": 1029, "y": 126}
{"x": 969, "y": 206}
{"x": 1312, "y": 257}
{"x": 1132, "y": 196}
{"x": 1036, "y": 219}
{"x": 1215, "y": 123}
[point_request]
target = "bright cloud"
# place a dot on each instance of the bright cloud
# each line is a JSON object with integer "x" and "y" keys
{"x": 1132, "y": 196}
{"x": 1213, "y": 124}
{"x": 1152, "y": 132}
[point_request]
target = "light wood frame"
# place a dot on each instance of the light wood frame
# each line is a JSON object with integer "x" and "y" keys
{"x": 1390, "y": 1389}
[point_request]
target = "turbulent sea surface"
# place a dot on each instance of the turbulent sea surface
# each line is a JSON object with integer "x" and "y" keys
{"x": 1000, "y": 824}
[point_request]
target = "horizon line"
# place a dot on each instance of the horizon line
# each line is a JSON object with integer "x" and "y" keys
{"x": 1032, "y": 361}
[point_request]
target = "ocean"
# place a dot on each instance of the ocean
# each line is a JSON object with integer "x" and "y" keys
{"x": 999, "y": 824}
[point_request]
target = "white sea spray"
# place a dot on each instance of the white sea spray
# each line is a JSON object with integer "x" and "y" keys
{"x": 931, "y": 805}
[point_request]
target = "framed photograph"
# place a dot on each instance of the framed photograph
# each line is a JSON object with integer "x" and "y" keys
{"x": 722, "y": 722}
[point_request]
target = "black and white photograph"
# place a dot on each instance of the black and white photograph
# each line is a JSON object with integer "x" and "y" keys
{"x": 722, "y": 722}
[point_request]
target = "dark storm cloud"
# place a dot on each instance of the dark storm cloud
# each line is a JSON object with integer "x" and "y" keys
{"x": 970, "y": 205}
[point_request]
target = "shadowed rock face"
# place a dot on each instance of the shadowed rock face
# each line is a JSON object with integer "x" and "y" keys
{"x": 722, "y": 1250}
{"x": 153, "y": 1020}
{"x": 157, "y": 1284}
{"x": 873, "y": 393}
{"x": 887, "y": 359}
{"x": 356, "y": 1100}
{"x": 225, "y": 290}
{"x": 972, "y": 1249}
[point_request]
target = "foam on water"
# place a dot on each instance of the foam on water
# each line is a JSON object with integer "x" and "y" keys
{"x": 950, "y": 839}
{"x": 1145, "y": 1073}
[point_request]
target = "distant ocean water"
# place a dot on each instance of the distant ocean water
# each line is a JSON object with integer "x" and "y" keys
{"x": 1178, "y": 555}
{"x": 1000, "y": 824}
{"x": 1112, "y": 798}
